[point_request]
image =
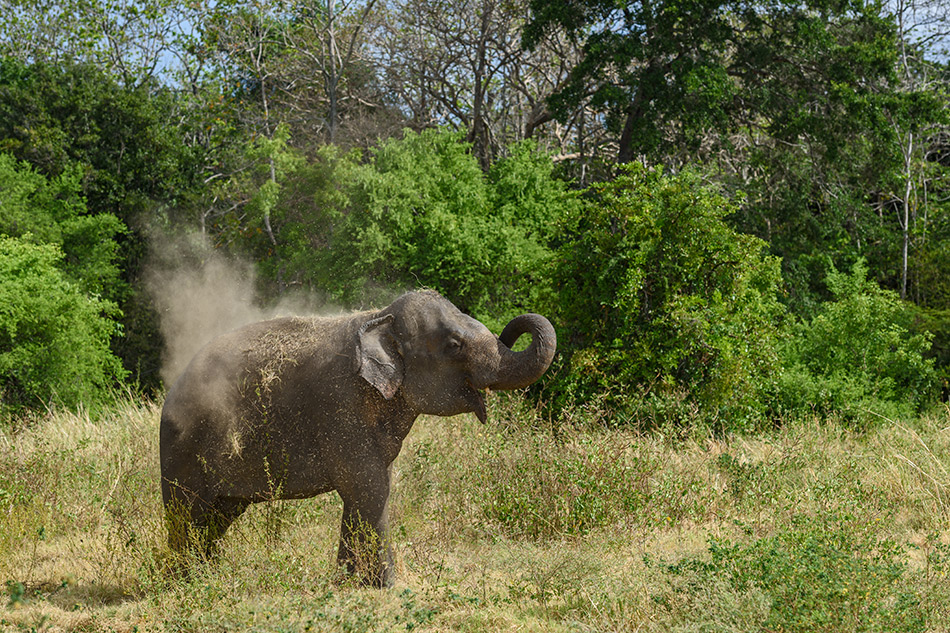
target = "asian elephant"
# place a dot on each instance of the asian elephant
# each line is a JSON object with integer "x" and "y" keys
{"x": 295, "y": 407}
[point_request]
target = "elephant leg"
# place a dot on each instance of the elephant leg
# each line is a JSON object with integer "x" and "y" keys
{"x": 365, "y": 547}
{"x": 213, "y": 521}
{"x": 179, "y": 516}
{"x": 195, "y": 525}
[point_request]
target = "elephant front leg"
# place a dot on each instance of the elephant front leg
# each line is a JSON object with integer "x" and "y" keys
{"x": 365, "y": 547}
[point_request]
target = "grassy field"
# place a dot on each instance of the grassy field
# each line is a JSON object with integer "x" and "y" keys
{"x": 516, "y": 525}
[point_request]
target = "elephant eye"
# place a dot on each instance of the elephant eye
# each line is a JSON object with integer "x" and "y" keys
{"x": 454, "y": 345}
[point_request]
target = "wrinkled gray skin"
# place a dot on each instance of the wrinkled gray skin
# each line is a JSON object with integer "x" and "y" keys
{"x": 296, "y": 407}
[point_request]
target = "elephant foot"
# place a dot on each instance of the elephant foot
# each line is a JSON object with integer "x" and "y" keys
{"x": 366, "y": 564}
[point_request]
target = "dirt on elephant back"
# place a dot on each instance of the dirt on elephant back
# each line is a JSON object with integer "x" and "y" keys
{"x": 270, "y": 353}
{"x": 283, "y": 345}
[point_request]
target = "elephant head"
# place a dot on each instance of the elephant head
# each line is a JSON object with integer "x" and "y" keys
{"x": 441, "y": 360}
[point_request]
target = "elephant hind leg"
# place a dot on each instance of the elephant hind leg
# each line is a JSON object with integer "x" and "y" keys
{"x": 197, "y": 526}
{"x": 214, "y": 522}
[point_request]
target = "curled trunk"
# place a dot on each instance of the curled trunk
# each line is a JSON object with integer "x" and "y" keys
{"x": 519, "y": 369}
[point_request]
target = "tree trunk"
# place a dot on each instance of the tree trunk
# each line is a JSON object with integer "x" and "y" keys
{"x": 906, "y": 211}
{"x": 478, "y": 135}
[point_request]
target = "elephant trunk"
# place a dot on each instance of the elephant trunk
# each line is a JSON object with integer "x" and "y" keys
{"x": 519, "y": 369}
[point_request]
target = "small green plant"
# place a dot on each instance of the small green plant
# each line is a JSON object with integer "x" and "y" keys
{"x": 415, "y": 615}
{"x": 825, "y": 573}
{"x": 16, "y": 593}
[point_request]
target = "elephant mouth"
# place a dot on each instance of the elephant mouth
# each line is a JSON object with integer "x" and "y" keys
{"x": 476, "y": 400}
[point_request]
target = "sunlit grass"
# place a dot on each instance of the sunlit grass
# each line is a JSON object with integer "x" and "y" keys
{"x": 520, "y": 524}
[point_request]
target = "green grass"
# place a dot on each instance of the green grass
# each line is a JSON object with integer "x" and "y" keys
{"x": 519, "y": 524}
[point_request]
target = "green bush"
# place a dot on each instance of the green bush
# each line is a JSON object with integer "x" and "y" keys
{"x": 419, "y": 212}
{"x": 53, "y": 211}
{"x": 858, "y": 356}
{"x": 662, "y": 303}
{"x": 54, "y": 338}
{"x": 420, "y": 215}
{"x": 818, "y": 574}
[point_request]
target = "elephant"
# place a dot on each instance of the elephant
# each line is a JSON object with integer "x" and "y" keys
{"x": 295, "y": 407}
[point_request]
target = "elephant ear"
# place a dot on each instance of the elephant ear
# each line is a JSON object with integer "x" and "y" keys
{"x": 377, "y": 354}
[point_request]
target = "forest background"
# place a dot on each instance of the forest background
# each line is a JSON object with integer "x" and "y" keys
{"x": 735, "y": 213}
{"x": 734, "y": 207}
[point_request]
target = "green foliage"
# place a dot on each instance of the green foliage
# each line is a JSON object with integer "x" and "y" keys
{"x": 424, "y": 214}
{"x": 646, "y": 65}
{"x": 821, "y": 573}
{"x": 57, "y": 117}
{"x": 58, "y": 262}
{"x": 858, "y": 356}
{"x": 53, "y": 211}
{"x": 313, "y": 197}
{"x": 797, "y": 104}
{"x": 54, "y": 338}
{"x": 932, "y": 282}
{"x": 269, "y": 166}
{"x": 419, "y": 216}
{"x": 420, "y": 212}
{"x": 937, "y": 323}
{"x": 672, "y": 72}
{"x": 135, "y": 157}
{"x": 659, "y": 295}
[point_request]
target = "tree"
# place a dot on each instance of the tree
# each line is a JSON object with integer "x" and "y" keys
{"x": 57, "y": 272}
{"x": 817, "y": 111}
{"x": 134, "y": 41}
{"x": 56, "y": 117}
{"x": 292, "y": 73}
{"x": 661, "y": 300}
{"x": 126, "y": 149}
{"x": 54, "y": 338}
{"x": 300, "y": 63}
{"x": 917, "y": 115}
{"x": 329, "y": 41}
{"x": 244, "y": 203}
{"x": 53, "y": 211}
{"x": 459, "y": 63}
{"x": 671, "y": 73}
{"x": 642, "y": 62}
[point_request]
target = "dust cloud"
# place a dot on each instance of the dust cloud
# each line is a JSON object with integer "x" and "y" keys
{"x": 200, "y": 294}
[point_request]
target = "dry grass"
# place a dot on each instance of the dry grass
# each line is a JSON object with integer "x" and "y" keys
{"x": 514, "y": 525}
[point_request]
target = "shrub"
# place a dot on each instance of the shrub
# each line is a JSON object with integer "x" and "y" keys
{"x": 419, "y": 215}
{"x": 858, "y": 356}
{"x": 661, "y": 299}
{"x": 818, "y": 574}
{"x": 420, "y": 211}
{"x": 53, "y": 211}
{"x": 54, "y": 339}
